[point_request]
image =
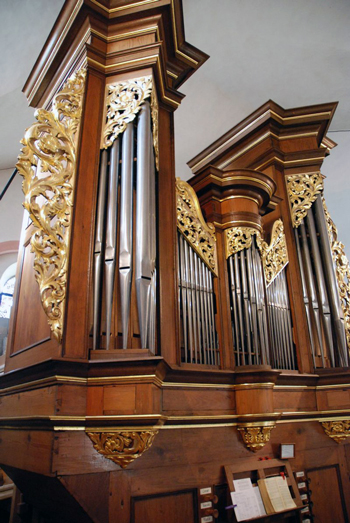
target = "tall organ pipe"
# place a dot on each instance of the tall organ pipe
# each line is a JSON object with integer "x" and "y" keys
{"x": 143, "y": 256}
{"x": 111, "y": 236}
{"x": 331, "y": 282}
{"x": 100, "y": 225}
{"x": 126, "y": 221}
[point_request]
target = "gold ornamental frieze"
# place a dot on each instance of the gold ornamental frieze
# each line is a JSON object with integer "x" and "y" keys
{"x": 190, "y": 222}
{"x": 122, "y": 447}
{"x": 274, "y": 255}
{"x": 48, "y": 163}
{"x": 239, "y": 238}
{"x": 337, "y": 430}
{"x": 255, "y": 435}
{"x": 302, "y": 192}
{"x": 342, "y": 270}
{"x": 123, "y": 103}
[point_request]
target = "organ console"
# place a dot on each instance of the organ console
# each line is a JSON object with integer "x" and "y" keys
{"x": 162, "y": 328}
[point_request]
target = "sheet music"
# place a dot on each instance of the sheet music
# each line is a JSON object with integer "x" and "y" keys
{"x": 247, "y": 503}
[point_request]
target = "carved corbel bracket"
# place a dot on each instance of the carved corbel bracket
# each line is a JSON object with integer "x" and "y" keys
{"x": 123, "y": 446}
{"x": 256, "y": 435}
{"x": 338, "y": 430}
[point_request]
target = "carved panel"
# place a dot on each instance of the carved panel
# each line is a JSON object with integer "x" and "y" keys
{"x": 342, "y": 270}
{"x": 190, "y": 222}
{"x": 123, "y": 102}
{"x": 302, "y": 191}
{"x": 275, "y": 255}
{"x": 256, "y": 436}
{"x": 239, "y": 238}
{"x": 124, "y": 446}
{"x": 337, "y": 430}
{"x": 48, "y": 164}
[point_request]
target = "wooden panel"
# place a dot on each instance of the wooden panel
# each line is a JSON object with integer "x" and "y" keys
{"x": 333, "y": 399}
{"x": 37, "y": 402}
{"x": 71, "y": 400}
{"x": 189, "y": 400}
{"x": 294, "y": 400}
{"x": 327, "y": 495}
{"x": 119, "y": 400}
{"x": 174, "y": 508}
{"x": 26, "y": 450}
{"x": 31, "y": 326}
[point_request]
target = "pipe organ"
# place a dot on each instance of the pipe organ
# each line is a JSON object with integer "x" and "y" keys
{"x": 163, "y": 329}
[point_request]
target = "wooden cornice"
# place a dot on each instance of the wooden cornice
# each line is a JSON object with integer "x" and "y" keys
{"x": 92, "y": 31}
{"x": 274, "y": 126}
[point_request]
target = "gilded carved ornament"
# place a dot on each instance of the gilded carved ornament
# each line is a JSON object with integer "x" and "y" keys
{"x": 342, "y": 270}
{"x": 199, "y": 234}
{"x": 124, "y": 446}
{"x": 239, "y": 238}
{"x": 48, "y": 163}
{"x": 122, "y": 104}
{"x": 302, "y": 191}
{"x": 256, "y": 436}
{"x": 337, "y": 430}
{"x": 275, "y": 255}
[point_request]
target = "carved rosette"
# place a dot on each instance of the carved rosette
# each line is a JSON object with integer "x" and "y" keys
{"x": 342, "y": 270}
{"x": 302, "y": 191}
{"x": 190, "y": 222}
{"x": 124, "y": 446}
{"x": 123, "y": 102}
{"x": 48, "y": 163}
{"x": 239, "y": 238}
{"x": 275, "y": 255}
{"x": 337, "y": 430}
{"x": 256, "y": 436}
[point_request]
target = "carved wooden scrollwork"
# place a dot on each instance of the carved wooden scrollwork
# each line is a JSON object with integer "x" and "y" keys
{"x": 123, "y": 446}
{"x": 342, "y": 270}
{"x": 337, "y": 430}
{"x": 255, "y": 436}
{"x": 274, "y": 255}
{"x": 123, "y": 102}
{"x": 190, "y": 222}
{"x": 302, "y": 191}
{"x": 48, "y": 163}
{"x": 239, "y": 238}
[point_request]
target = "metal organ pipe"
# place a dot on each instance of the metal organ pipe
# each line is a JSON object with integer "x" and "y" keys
{"x": 126, "y": 221}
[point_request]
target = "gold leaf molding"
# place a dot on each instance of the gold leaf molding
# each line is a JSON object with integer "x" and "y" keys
{"x": 48, "y": 163}
{"x": 239, "y": 238}
{"x": 123, "y": 102}
{"x": 302, "y": 191}
{"x": 275, "y": 255}
{"x": 122, "y": 447}
{"x": 337, "y": 430}
{"x": 190, "y": 222}
{"x": 256, "y": 436}
{"x": 342, "y": 270}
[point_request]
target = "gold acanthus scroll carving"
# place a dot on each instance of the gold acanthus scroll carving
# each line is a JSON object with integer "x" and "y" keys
{"x": 122, "y": 104}
{"x": 302, "y": 191}
{"x": 239, "y": 238}
{"x": 124, "y": 446}
{"x": 275, "y": 255}
{"x": 342, "y": 270}
{"x": 337, "y": 430}
{"x": 199, "y": 234}
{"x": 48, "y": 163}
{"x": 256, "y": 436}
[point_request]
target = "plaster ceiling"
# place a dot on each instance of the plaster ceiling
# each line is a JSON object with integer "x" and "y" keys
{"x": 295, "y": 53}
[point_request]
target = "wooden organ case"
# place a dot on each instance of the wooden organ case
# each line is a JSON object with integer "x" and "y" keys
{"x": 163, "y": 329}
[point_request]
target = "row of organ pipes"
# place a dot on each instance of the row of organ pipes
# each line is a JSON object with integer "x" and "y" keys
{"x": 127, "y": 178}
{"x": 262, "y": 326}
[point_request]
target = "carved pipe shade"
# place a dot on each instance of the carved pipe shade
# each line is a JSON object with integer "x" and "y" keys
{"x": 190, "y": 222}
{"x": 342, "y": 270}
{"x": 122, "y": 104}
{"x": 302, "y": 191}
{"x": 48, "y": 164}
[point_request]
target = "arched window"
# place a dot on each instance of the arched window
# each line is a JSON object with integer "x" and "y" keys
{"x": 7, "y": 285}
